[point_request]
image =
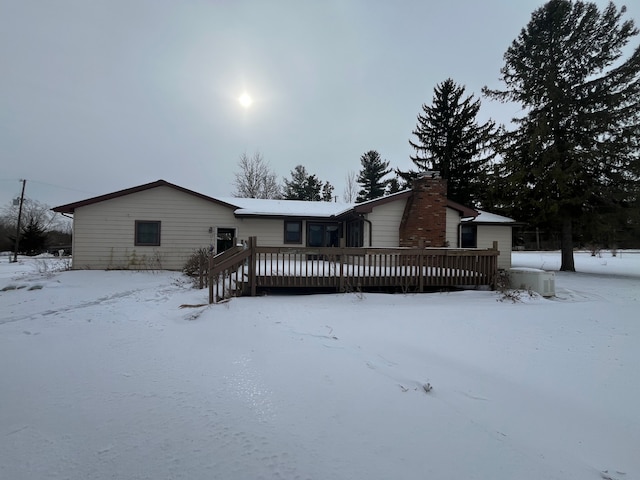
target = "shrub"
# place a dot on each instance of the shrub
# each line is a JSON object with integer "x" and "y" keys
{"x": 197, "y": 258}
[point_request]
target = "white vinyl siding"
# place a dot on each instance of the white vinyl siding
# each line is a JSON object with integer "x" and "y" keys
{"x": 104, "y": 233}
{"x": 453, "y": 220}
{"x": 386, "y": 220}
{"x": 487, "y": 234}
{"x": 269, "y": 231}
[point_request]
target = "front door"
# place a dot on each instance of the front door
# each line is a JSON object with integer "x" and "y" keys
{"x": 224, "y": 239}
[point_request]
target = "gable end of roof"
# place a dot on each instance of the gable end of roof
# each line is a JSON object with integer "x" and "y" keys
{"x": 71, "y": 207}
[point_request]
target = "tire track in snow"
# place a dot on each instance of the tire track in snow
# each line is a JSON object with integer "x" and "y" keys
{"x": 73, "y": 308}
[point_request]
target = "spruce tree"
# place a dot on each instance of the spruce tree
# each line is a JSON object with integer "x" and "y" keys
{"x": 33, "y": 238}
{"x": 574, "y": 152}
{"x": 312, "y": 189}
{"x": 449, "y": 139}
{"x": 295, "y": 188}
{"x": 371, "y": 176}
{"x": 327, "y": 192}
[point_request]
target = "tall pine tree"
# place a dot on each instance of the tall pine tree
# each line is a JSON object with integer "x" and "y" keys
{"x": 371, "y": 176}
{"x": 449, "y": 139}
{"x": 574, "y": 152}
{"x": 294, "y": 189}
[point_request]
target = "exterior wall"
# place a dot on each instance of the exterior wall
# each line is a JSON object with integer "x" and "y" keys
{"x": 424, "y": 221}
{"x": 104, "y": 233}
{"x": 487, "y": 234}
{"x": 269, "y": 232}
{"x": 453, "y": 221}
{"x": 385, "y": 224}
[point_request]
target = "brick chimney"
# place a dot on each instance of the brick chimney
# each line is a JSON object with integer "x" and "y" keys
{"x": 424, "y": 221}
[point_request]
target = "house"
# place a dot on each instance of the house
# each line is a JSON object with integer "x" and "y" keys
{"x": 159, "y": 224}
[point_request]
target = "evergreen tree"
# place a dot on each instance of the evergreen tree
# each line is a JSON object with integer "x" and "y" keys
{"x": 33, "y": 238}
{"x": 303, "y": 186}
{"x": 574, "y": 152}
{"x": 371, "y": 175}
{"x": 312, "y": 189}
{"x": 6, "y": 242}
{"x": 449, "y": 139}
{"x": 395, "y": 185}
{"x": 295, "y": 189}
{"x": 327, "y": 192}
{"x": 36, "y": 217}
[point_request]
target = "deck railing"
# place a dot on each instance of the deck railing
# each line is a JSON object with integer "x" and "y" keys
{"x": 349, "y": 269}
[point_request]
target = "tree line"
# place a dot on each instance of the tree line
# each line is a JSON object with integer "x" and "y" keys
{"x": 570, "y": 162}
{"x": 40, "y": 228}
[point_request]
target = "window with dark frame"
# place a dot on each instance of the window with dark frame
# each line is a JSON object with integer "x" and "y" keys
{"x": 323, "y": 234}
{"x": 468, "y": 236}
{"x": 147, "y": 233}
{"x": 293, "y": 231}
{"x": 355, "y": 233}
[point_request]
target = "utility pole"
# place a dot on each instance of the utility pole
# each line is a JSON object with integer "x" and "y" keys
{"x": 15, "y": 254}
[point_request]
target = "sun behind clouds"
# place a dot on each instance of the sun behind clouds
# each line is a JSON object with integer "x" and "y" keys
{"x": 245, "y": 100}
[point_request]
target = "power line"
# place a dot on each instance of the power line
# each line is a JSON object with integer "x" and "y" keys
{"x": 61, "y": 187}
{"x": 47, "y": 184}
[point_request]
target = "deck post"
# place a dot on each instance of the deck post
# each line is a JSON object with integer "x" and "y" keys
{"x": 493, "y": 278}
{"x": 341, "y": 259}
{"x": 421, "y": 272}
{"x": 253, "y": 265}
{"x": 210, "y": 275}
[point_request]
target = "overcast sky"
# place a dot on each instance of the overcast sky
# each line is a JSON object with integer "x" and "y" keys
{"x": 97, "y": 96}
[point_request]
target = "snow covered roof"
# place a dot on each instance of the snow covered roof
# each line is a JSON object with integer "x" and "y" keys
{"x": 487, "y": 217}
{"x": 245, "y": 206}
{"x": 288, "y": 208}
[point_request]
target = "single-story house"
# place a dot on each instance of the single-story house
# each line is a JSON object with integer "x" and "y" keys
{"x": 159, "y": 224}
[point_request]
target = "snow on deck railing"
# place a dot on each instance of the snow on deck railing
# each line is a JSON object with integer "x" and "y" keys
{"x": 348, "y": 269}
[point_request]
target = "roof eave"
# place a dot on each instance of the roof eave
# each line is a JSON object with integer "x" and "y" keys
{"x": 294, "y": 216}
{"x": 70, "y": 207}
{"x": 368, "y": 206}
{"x": 464, "y": 211}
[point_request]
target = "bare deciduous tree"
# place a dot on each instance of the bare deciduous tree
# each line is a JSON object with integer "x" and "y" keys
{"x": 350, "y": 191}
{"x": 33, "y": 211}
{"x": 255, "y": 179}
{"x": 36, "y": 218}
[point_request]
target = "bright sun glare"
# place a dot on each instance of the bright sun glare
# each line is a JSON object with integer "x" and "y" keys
{"x": 245, "y": 100}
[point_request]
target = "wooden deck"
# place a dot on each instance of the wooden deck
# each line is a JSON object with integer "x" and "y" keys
{"x": 243, "y": 270}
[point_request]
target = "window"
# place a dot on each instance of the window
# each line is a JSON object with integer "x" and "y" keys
{"x": 468, "y": 236}
{"x": 293, "y": 232}
{"x": 323, "y": 234}
{"x": 355, "y": 233}
{"x": 147, "y": 233}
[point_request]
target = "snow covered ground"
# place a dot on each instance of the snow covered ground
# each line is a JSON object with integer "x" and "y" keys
{"x": 105, "y": 376}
